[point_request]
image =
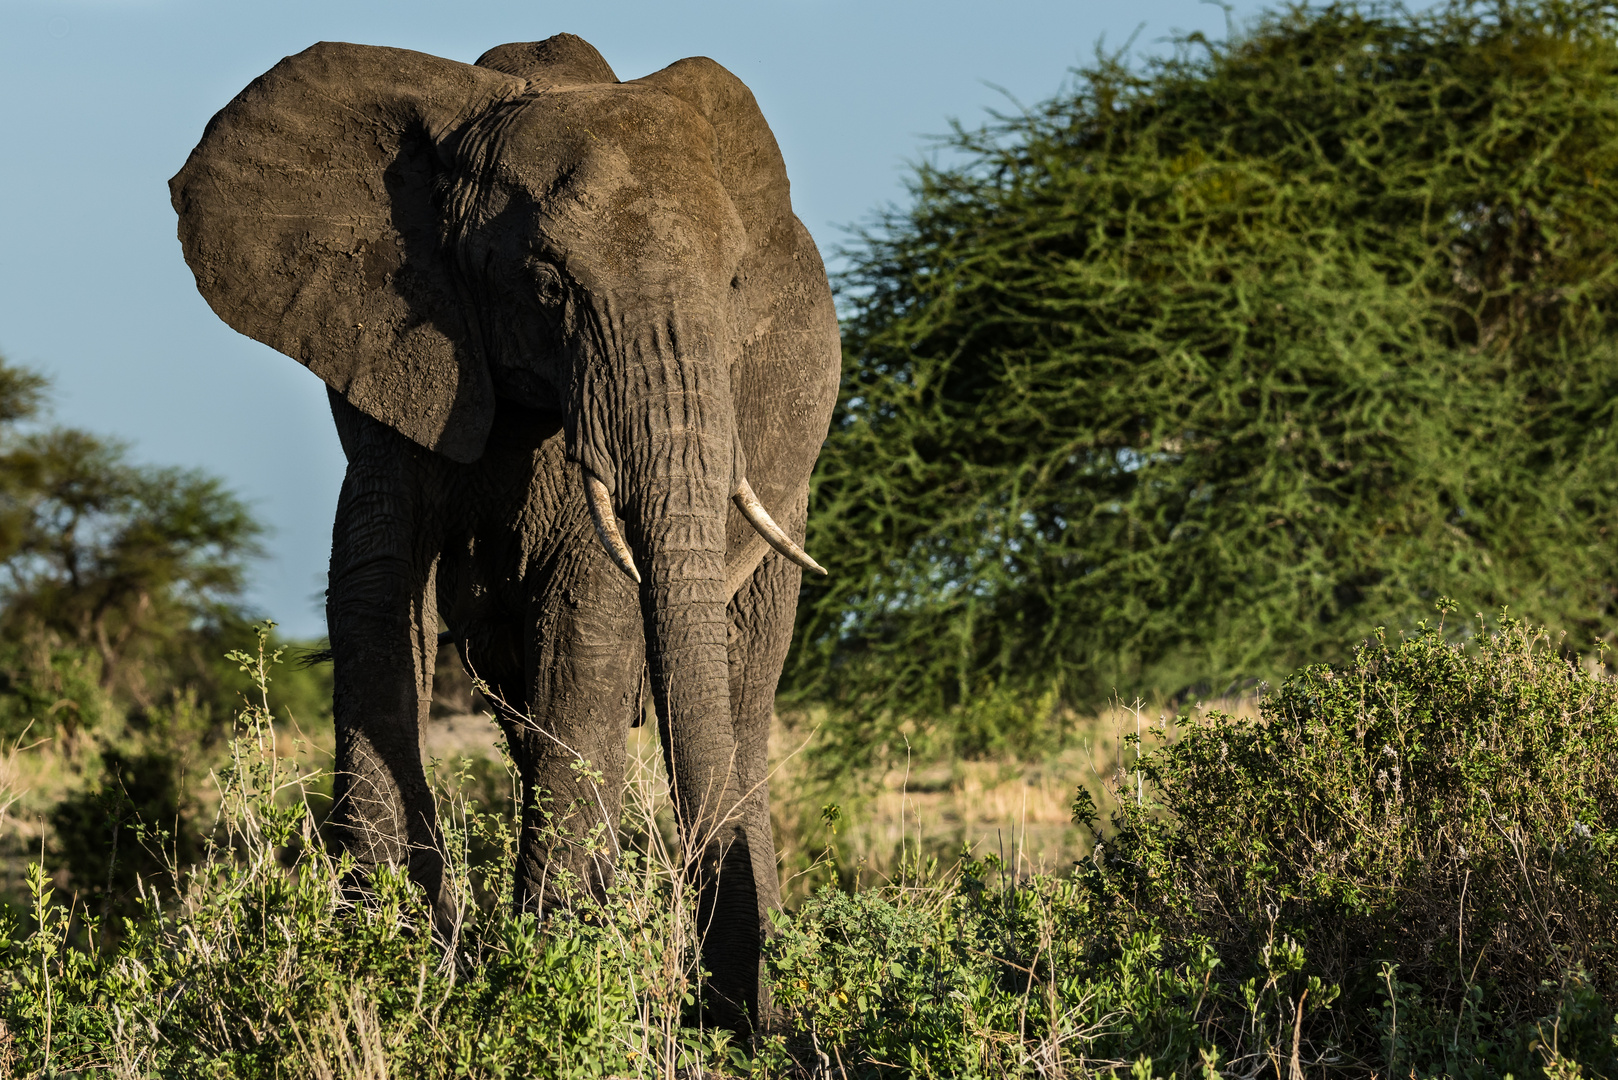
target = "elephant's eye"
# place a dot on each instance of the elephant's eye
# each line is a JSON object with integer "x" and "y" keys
{"x": 544, "y": 279}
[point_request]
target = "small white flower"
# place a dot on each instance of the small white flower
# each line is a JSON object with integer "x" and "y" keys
{"x": 1581, "y": 829}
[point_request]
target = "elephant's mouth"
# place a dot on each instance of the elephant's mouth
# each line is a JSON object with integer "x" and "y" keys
{"x": 606, "y": 525}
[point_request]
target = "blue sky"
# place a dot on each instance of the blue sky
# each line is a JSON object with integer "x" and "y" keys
{"x": 103, "y": 99}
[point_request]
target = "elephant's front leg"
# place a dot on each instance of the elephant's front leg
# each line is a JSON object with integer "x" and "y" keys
{"x": 585, "y": 669}
{"x": 384, "y": 638}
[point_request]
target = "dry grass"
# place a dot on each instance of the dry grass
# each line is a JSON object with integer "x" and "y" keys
{"x": 1018, "y": 811}
{"x": 35, "y": 775}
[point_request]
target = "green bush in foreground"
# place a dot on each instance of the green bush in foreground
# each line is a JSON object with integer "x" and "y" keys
{"x": 264, "y": 965}
{"x": 1404, "y": 866}
{"x": 1428, "y": 822}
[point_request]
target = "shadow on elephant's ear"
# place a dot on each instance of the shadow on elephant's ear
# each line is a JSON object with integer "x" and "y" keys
{"x": 330, "y": 255}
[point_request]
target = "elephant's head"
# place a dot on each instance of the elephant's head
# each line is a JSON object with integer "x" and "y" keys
{"x": 430, "y": 236}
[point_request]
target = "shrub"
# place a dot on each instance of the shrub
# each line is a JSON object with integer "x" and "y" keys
{"x": 1406, "y": 865}
{"x": 978, "y": 974}
{"x": 1429, "y": 825}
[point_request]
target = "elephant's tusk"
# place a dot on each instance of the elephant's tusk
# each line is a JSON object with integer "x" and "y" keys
{"x": 606, "y": 523}
{"x": 760, "y": 519}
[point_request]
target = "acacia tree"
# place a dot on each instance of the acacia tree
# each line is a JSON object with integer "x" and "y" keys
{"x": 120, "y": 592}
{"x": 1205, "y": 369}
{"x": 121, "y": 577}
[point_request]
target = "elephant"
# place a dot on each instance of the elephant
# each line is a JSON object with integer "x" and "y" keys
{"x": 581, "y": 356}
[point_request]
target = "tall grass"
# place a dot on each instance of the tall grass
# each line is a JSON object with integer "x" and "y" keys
{"x": 264, "y": 960}
{"x": 1404, "y": 866}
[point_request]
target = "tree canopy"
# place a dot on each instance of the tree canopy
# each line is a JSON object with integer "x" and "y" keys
{"x": 118, "y": 582}
{"x": 1207, "y": 367}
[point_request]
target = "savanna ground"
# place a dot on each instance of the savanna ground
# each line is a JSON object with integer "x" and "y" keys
{"x": 1019, "y": 810}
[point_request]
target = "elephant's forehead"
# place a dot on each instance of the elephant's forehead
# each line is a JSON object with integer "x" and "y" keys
{"x": 629, "y": 134}
{"x": 632, "y": 168}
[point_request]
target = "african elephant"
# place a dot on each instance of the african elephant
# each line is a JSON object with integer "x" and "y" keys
{"x": 576, "y": 343}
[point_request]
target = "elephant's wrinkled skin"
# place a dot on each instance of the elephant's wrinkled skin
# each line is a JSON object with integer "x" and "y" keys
{"x": 524, "y": 281}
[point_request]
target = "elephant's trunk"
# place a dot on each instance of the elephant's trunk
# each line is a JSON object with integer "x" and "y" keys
{"x": 674, "y": 456}
{"x": 678, "y": 532}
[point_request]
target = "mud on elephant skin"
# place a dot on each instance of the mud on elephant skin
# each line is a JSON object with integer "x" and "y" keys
{"x": 581, "y": 356}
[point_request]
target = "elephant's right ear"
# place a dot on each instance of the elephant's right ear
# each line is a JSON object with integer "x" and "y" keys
{"x": 307, "y": 214}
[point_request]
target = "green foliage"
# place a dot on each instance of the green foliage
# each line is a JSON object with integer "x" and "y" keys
{"x": 974, "y": 977}
{"x": 272, "y": 953}
{"x": 121, "y": 590}
{"x": 1407, "y": 865}
{"x": 1427, "y": 822}
{"x": 135, "y": 824}
{"x": 125, "y": 574}
{"x": 1203, "y": 371}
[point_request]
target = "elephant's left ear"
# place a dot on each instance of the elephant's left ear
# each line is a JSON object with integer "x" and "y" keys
{"x": 750, "y": 164}
{"x": 307, "y": 214}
